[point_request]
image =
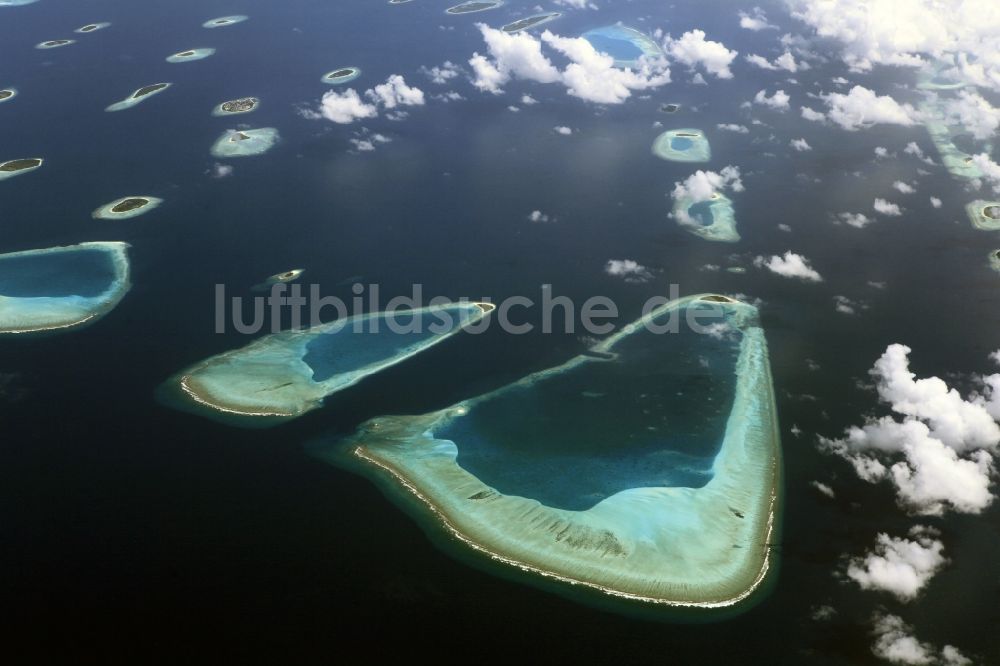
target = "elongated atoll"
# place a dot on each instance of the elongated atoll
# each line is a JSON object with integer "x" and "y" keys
{"x": 626, "y": 45}
{"x": 683, "y": 145}
{"x": 190, "y": 55}
{"x": 245, "y": 143}
{"x": 474, "y": 6}
{"x": 16, "y": 3}
{"x": 284, "y": 375}
{"x": 648, "y": 469}
{"x": 236, "y": 106}
{"x": 984, "y": 215}
{"x": 54, "y": 43}
{"x": 12, "y": 168}
{"x": 279, "y": 278}
{"x": 139, "y": 96}
{"x": 530, "y": 22}
{"x": 945, "y": 137}
{"x": 126, "y": 207}
{"x": 8, "y": 94}
{"x": 223, "y": 21}
{"x": 713, "y": 220}
{"x": 61, "y": 288}
{"x": 341, "y": 75}
{"x": 92, "y": 27}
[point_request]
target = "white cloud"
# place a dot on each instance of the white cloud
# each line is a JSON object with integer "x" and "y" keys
{"x": 561, "y": 129}
{"x": 221, "y": 170}
{"x": 692, "y": 49}
{"x": 394, "y": 92}
{"x": 974, "y": 113}
{"x": 823, "y": 489}
{"x": 881, "y": 152}
{"x": 779, "y": 100}
{"x": 576, "y": 4}
{"x": 845, "y": 305}
{"x": 538, "y": 216}
{"x": 990, "y": 169}
{"x": 861, "y": 107}
{"x": 346, "y": 107}
{"x": 365, "y": 142}
{"x": 886, "y": 208}
{"x": 895, "y": 642}
{"x": 790, "y": 265}
{"x": 701, "y": 185}
{"x": 800, "y": 145}
{"x": 732, "y": 127}
{"x": 857, "y": 220}
{"x": 528, "y": 100}
{"x": 935, "y": 202}
{"x": 913, "y": 149}
{"x": 443, "y": 73}
{"x": 756, "y": 21}
{"x": 899, "y": 566}
{"x": 905, "y": 188}
{"x": 812, "y": 114}
{"x": 785, "y": 61}
{"x": 628, "y": 269}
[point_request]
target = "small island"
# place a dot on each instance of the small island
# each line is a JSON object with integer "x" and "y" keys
{"x": 13, "y": 168}
{"x": 91, "y": 27}
{"x": 713, "y": 220}
{"x": 236, "y": 106}
{"x": 984, "y": 215}
{"x": 670, "y": 108}
{"x": 287, "y": 374}
{"x": 474, "y": 6}
{"x": 55, "y": 43}
{"x": 61, "y": 288}
{"x": 190, "y": 55}
{"x": 530, "y": 22}
{"x": 8, "y": 94}
{"x": 126, "y": 207}
{"x": 223, "y": 21}
{"x": 341, "y": 75}
{"x": 561, "y": 478}
{"x": 279, "y": 278}
{"x": 139, "y": 96}
{"x": 245, "y": 143}
{"x": 682, "y": 145}
{"x": 627, "y": 46}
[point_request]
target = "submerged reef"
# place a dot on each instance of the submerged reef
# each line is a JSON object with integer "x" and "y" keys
{"x": 647, "y": 469}
{"x": 91, "y": 27}
{"x": 713, "y": 220}
{"x": 223, "y": 21}
{"x": 341, "y": 75}
{"x": 139, "y": 96}
{"x": 279, "y": 278}
{"x": 61, "y": 288}
{"x": 682, "y": 145}
{"x": 234, "y": 106}
{"x": 946, "y": 138}
{"x": 8, "y": 94}
{"x": 126, "y": 207}
{"x": 245, "y": 143}
{"x": 530, "y": 22}
{"x": 284, "y": 375}
{"x": 984, "y": 215}
{"x": 12, "y": 168}
{"x": 626, "y": 45}
{"x": 190, "y": 54}
{"x": 55, "y": 43}
{"x": 474, "y": 6}
{"x": 15, "y": 3}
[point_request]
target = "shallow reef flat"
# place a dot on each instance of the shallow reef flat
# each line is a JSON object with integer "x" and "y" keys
{"x": 7, "y": 94}
{"x": 92, "y": 27}
{"x": 245, "y": 143}
{"x": 61, "y": 288}
{"x": 648, "y": 469}
{"x": 530, "y": 22}
{"x": 683, "y": 145}
{"x": 126, "y": 207}
{"x": 279, "y": 278}
{"x": 190, "y": 55}
{"x": 15, "y": 3}
{"x": 139, "y": 96}
{"x": 713, "y": 220}
{"x": 284, "y": 375}
{"x": 223, "y": 21}
{"x": 945, "y": 137}
{"x": 984, "y": 215}
{"x": 474, "y": 6}
{"x": 341, "y": 75}
{"x": 12, "y": 168}
{"x": 236, "y": 106}
{"x": 54, "y": 43}
{"x": 626, "y": 45}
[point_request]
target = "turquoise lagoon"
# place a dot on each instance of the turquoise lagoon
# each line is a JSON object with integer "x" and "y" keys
{"x": 713, "y": 220}
{"x": 647, "y": 469}
{"x": 682, "y": 145}
{"x": 626, "y": 45}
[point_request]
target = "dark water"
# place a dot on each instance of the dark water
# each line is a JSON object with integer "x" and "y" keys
{"x": 133, "y": 531}
{"x": 85, "y": 272}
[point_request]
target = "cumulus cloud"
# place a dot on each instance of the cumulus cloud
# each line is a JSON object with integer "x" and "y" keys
{"x": 561, "y": 129}
{"x": 693, "y": 50}
{"x": 790, "y": 265}
{"x": 366, "y": 142}
{"x": 856, "y": 220}
{"x": 812, "y": 114}
{"x": 732, "y": 127}
{"x": 886, "y": 208}
{"x": 861, "y": 107}
{"x": 538, "y": 216}
{"x": 936, "y": 202}
{"x": 974, "y": 113}
{"x": 347, "y": 106}
{"x": 221, "y": 170}
{"x": 800, "y": 145}
{"x": 895, "y": 642}
{"x": 779, "y": 100}
{"x": 905, "y": 188}
{"x": 628, "y": 269}
{"x": 990, "y": 169}
{"x": 899, "y": 566}
{"x": 938, "y": 455}
{"x": 755, "y": 21}
{"x": 443, "y": 73}
{"x": 394, "y": 92}
{"x": 823, "y": 489}
{"x": 785, "y": 61}
{"x": 701, "y": 185}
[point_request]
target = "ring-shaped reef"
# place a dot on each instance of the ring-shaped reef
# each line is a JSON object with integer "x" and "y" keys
{"x": 12, "y": 168}
{"x": 92, "y": 27}
{"x": 284, "y": 375}
{"x": 647, "y": 469}
{"x": 236, "y": 106}
{"x": 245, "y": 143}
{"x": 16, "y": 3}
{"x": 474, "y": 6}
{"x": 279, "y": 278}
{"x": 626, "y": 45}
{"x": 341, "y": 75}
{"x": 54, "y": 43}
{"x": 984, "y": 215}
{"x": 683, "y": 145}
{"x": 61, "y": 288}
{"x": 8, "y": 94}
{"x": 714, "y": 219}
{"x": 191, "y": 55}
{"x": 223, "y": 21}
{"x": 530, "y": 22}
{"x": 139, "y": 96}
{"x": 126, "y": 207}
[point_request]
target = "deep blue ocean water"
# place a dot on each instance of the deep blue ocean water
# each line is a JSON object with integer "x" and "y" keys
{"x": 133, "y": 531}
